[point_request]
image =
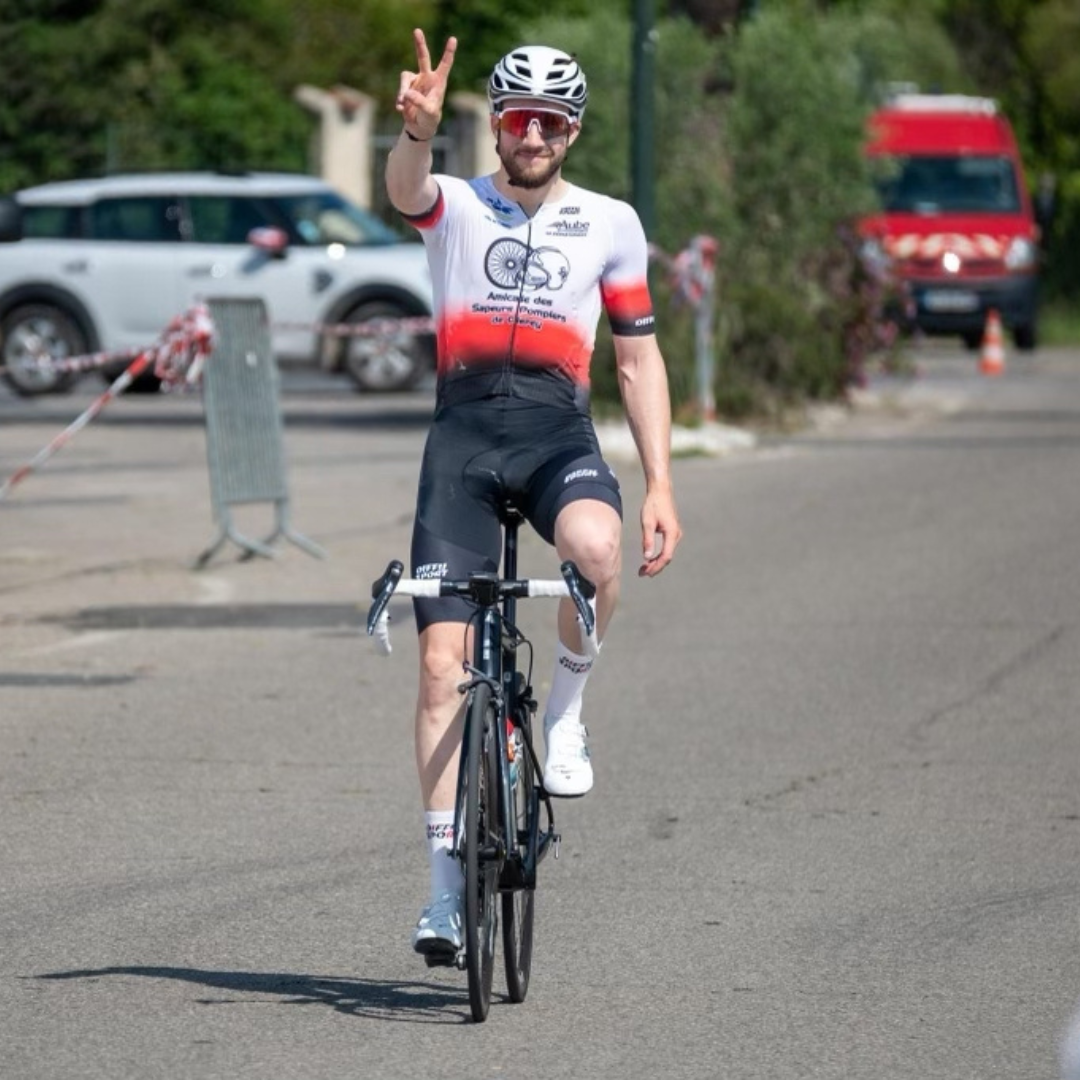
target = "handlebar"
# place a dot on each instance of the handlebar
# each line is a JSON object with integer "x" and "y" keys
{"x": 485, "y": 589}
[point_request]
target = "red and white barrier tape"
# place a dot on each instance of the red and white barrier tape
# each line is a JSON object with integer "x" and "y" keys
{"x": 43, "y": 361}
{"x": 184, "y": 348}
{"x": 177, "y": 357}
{"x": 382, "y": 327}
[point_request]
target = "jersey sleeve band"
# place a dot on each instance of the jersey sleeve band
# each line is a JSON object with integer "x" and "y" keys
{"x": 429, "y": 218}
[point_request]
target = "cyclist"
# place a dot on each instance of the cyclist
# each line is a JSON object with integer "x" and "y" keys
{"x": 522, "y": 262}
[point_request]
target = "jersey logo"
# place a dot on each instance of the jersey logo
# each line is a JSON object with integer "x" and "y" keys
{"x": 509, "y": 264}
{"x": 568, "y": 228}
{"x": 499, "y": 206}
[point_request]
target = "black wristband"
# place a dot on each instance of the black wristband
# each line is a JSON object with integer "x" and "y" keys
{"x": 412, "y": 138}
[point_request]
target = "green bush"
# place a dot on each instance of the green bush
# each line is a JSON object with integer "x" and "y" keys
{"x": 790, "y": 277}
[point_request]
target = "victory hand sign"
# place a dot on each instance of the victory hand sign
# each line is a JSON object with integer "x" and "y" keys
{"x": 420, "y": 95}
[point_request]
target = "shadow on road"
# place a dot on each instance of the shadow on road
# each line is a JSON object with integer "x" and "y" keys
{"x": 366, "y": 418}
{"x": 378, "y": 999}
{"x": 281, "y": 616}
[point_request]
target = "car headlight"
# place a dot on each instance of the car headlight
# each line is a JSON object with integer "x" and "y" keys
{"x": 1020, "y": 254}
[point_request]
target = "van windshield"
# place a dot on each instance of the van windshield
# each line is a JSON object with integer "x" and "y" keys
{"x": 933, "y": 185}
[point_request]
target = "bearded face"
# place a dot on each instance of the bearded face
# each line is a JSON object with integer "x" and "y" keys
{"x": 528, "y": 168}
{"x": 533, "y": 157}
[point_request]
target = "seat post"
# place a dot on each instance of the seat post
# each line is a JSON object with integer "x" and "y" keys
{"x": 510, "y": 549}
{"x": 511, "y": 519}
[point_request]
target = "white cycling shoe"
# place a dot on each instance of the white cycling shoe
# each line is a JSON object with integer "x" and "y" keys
{"x": 438, "y": 933}
{"x": 568, "y": 771}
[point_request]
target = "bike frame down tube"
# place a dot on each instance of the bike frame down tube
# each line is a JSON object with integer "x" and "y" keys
{"x": 507, "y": 667}
{"x": 486, "y": 661}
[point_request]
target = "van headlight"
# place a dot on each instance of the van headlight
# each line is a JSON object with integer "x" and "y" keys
{"x": 1020, "y": 254}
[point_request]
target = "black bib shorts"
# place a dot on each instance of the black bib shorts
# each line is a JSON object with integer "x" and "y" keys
{"x": 479, "y": 454}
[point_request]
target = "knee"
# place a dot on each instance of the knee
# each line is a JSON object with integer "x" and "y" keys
{"x": 598, "y": 556}
{"x": 440, "y": 675}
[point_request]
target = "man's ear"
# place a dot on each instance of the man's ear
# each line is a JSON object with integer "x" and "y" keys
{"x": 575, "y": 131}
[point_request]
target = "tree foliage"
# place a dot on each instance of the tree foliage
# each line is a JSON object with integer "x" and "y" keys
{"x": 796, "y": 122}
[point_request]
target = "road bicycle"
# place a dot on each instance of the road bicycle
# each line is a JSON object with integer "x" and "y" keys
{"x": 504, "y": 824}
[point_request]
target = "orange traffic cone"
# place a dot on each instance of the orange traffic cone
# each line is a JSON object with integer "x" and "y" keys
{"x": 992, "y": 357}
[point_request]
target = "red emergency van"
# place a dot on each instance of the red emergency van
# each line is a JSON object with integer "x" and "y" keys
{"x": 956, "y": 225}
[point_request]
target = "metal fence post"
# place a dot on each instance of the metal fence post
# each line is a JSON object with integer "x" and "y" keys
{"x": 244, "y": 447}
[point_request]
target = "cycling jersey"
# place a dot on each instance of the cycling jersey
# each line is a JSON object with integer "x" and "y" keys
{"x": 518, "y": 297}
{"x": 517, "y": 302}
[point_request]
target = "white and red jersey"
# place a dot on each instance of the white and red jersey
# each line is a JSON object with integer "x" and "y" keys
{"x": 516, "y": 294}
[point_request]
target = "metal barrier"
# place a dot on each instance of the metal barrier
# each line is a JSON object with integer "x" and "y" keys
{"x": 244, "y": 443}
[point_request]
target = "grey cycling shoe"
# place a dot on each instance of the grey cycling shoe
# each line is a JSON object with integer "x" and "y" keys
{"x": 437, "y": 935}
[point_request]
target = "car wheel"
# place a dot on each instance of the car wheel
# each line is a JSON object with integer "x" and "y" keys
{"x": 34, "y": 332}
{"x": 379, "y": 363}
{"x": 1025, "y": 336}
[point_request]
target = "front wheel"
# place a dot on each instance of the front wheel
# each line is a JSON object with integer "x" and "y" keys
{"x": 518, "y": 907}
{"x": 1025, "y": 336}
{"x": 481, "y": 844}
{"x": 30, "y": 337}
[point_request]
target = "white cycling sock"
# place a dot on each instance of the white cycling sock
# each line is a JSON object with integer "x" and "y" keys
{"x": 567, "y": 686}
{"x": 446, "y": 875}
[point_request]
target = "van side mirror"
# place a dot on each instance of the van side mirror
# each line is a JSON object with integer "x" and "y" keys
{"x": 11, "y": 226}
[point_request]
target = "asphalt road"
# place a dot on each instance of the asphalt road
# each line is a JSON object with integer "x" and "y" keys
{"x": 836, "y": 826}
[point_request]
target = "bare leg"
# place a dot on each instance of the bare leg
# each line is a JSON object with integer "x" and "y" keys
{"x": 590, "y": 533}
{"x": 439, "y": 713}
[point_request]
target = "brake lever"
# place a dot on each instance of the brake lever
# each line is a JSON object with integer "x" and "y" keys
{"x": 381, "y": 591}
{"x": 582, "y": 590}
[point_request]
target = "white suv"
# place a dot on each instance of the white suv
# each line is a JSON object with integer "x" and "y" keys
{"x": 103, "y": 265}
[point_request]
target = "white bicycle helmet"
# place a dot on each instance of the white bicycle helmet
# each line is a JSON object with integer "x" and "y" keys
{"x": 536, "y": 71}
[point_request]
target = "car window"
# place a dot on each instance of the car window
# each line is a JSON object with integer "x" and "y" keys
{"x": 149, "y": 219}
{"x": 51, "y": 222}
{"x": 224, "y": 219}
{"x": 324, "y": 217}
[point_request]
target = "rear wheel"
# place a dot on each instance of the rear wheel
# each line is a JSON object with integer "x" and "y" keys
{"x": 518, "y": 906}
{"x": 30, "y": 337}
{"x": 386, "y": 360}
{"x": 481, "y": 844}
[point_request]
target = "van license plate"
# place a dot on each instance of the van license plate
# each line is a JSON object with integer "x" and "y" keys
{"x": 950, "y": 300}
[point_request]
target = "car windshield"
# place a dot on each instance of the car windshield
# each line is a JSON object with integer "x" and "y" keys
{"x": 324, "y": 217}
{"x": 931, "y": 185}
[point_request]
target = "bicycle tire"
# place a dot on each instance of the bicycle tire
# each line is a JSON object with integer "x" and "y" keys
{"x": 480, "y": 841}
{"x": 519, "y": 906}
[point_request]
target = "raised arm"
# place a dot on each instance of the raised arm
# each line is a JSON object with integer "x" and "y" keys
{"x": 644, "y": 388}
{"x": 409, "y": 182}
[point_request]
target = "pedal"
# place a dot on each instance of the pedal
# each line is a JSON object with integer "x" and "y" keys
{"x": 438, "y": 953}
{"x": 435, "y": 960}
{"x": 556, "y": 841}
